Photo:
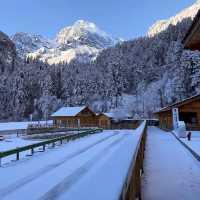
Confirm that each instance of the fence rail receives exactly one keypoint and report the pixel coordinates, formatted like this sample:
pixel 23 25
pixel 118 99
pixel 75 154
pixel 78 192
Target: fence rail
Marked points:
pixel 132 187
pixel 43 144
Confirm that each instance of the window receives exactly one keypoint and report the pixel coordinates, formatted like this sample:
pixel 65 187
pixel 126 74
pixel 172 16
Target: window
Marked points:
pixel 189 117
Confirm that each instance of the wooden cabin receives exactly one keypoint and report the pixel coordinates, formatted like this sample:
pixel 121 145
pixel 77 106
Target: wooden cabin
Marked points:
pixel 75 117
pixel 192 38
pixel 188 111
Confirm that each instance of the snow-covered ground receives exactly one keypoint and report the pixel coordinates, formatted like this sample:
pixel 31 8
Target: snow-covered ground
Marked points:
pixel 170 170
pixel 11 142
pixel 194 144
pixel 93 167
pixel 7 126
pixel 14 142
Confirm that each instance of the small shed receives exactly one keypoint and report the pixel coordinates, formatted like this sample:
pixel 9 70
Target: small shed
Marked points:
pixel 75 117
pixel 113 121
pixel 188 111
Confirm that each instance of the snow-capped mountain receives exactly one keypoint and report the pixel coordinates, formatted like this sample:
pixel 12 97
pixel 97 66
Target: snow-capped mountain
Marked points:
pixel 82 41
pixel 162 25
pixel 84 33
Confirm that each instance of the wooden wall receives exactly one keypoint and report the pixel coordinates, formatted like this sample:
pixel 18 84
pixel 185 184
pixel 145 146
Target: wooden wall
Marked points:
pixel 165 120
pixel 192 107
pixel 193 47
pixel 89 121
pixel 104 122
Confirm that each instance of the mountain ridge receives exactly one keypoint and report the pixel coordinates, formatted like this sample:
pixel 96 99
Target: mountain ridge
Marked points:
pixel 83 41
pixel 161 25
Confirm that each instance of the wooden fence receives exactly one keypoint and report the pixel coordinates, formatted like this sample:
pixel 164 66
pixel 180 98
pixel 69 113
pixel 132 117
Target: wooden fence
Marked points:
pixel 53 142
pixel 132 187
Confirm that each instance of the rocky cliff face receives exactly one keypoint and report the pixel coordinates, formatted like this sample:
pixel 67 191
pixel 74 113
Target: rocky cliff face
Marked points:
pixel 7 53
pixel 28 43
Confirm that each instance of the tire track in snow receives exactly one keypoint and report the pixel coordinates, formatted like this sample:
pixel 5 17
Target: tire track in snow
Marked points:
pixel 24 181
pixel 70 180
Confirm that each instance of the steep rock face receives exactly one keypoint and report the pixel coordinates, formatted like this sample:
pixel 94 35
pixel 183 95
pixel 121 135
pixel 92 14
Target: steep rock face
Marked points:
pixel 82 41
pixel 162 25
pixel 7 53
pixel 27 43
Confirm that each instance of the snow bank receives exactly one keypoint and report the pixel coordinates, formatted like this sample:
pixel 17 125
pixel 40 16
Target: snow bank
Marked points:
pixel 181 130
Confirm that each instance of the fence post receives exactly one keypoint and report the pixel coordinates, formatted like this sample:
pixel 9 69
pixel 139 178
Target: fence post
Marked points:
pixel 32 151
pixel 17 155
pixel 53 144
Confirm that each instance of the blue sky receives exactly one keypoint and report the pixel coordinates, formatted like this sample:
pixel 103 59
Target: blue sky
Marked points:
pixel 121 18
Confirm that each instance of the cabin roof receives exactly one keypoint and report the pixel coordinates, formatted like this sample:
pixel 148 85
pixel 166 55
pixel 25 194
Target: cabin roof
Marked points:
pixel 68 111
pixel 179 104
pixel 191 29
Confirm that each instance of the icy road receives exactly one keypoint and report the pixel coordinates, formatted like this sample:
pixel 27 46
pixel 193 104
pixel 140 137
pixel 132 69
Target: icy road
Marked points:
pixel 94 167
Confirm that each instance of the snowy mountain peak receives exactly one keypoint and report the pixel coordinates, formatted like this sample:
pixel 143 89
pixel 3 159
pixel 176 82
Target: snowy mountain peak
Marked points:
pixel 84 33
pixel 162 25
pixel 82 41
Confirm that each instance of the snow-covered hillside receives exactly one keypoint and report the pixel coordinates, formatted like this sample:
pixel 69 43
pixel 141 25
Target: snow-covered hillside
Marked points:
pixel 162 25
pixel 83 41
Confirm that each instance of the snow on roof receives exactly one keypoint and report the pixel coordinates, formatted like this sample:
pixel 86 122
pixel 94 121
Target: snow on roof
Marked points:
pixel 109 114
pixel 117 115
pixel 68 111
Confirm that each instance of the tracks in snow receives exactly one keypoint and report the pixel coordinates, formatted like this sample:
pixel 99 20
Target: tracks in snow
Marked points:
pixel 26 180
pixel 70 180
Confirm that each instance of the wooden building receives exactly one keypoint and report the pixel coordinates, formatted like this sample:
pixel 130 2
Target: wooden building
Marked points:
pixel 104 121
pixel 192 38
pixel 125 124
pixel 188 111
pixel 75 117
pixel 112 121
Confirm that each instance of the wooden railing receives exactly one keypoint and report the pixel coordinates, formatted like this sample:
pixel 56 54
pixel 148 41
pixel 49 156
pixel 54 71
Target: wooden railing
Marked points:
pixel 44 144
pixel 132 187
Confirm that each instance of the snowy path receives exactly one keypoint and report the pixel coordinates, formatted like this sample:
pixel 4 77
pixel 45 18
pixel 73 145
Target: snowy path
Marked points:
pixel 171 172
pixel 82 169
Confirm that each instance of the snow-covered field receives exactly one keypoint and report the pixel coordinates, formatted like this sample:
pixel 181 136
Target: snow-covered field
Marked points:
pixel 194 144
pixel 7 126
pixel 14 142
pixel 11 142
pixel 93 167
